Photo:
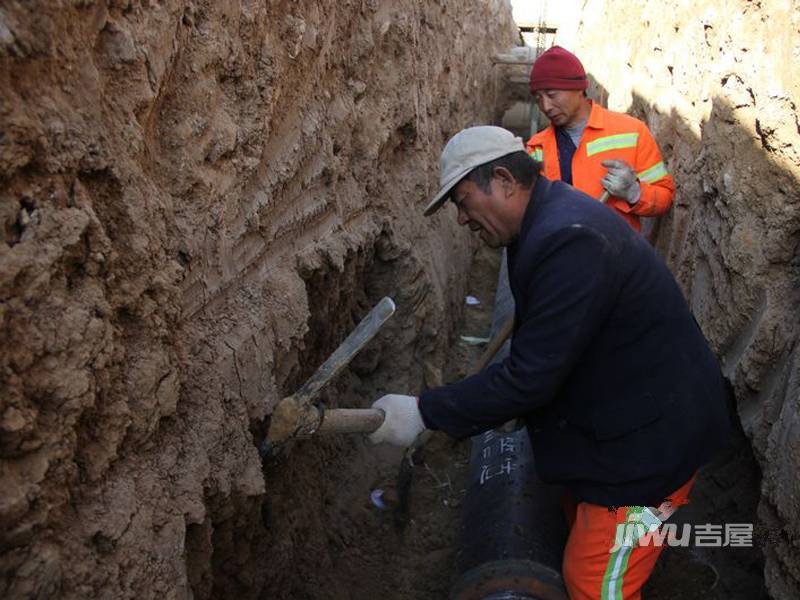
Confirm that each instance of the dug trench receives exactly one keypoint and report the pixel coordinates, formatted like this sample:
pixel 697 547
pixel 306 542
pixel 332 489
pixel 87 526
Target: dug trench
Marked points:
pixel 166 166
pixel 347 519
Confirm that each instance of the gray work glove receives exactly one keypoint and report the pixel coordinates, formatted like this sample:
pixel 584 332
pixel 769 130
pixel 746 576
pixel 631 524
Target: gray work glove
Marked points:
pixel 403 422
pixel 621 181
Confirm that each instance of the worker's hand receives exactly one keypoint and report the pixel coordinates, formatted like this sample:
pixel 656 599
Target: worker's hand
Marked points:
pixel 621 181
pixel 402 423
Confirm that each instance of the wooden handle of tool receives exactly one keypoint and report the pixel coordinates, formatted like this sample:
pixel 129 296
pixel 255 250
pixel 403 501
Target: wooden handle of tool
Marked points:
pixel 367 420
pixel 494 345
pixel 351 420
pixel 604 196
pixel 484 359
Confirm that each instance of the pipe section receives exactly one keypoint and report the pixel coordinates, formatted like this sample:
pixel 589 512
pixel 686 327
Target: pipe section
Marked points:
pixel 513 528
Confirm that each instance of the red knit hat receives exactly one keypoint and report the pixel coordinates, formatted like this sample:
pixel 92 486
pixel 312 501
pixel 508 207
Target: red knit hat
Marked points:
pixel 558 69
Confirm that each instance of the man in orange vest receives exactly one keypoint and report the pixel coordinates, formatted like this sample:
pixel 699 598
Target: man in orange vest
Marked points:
pixel 593 148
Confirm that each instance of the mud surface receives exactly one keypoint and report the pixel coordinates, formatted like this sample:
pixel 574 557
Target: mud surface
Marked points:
pixel 198 201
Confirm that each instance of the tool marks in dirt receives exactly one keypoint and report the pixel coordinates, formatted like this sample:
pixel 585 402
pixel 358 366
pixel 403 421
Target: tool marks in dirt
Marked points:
pixel 257 252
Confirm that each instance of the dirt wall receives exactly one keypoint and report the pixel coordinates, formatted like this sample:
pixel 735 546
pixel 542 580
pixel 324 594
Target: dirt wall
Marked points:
pixel 198 201
pixel 718 84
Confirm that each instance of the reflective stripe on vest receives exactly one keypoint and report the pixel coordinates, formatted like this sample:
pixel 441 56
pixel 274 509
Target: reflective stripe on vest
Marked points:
pixel 612 142
pixel 654 173
pixel 537 154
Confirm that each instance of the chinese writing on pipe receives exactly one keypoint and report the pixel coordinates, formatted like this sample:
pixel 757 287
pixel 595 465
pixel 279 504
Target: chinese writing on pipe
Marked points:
pixel 497 456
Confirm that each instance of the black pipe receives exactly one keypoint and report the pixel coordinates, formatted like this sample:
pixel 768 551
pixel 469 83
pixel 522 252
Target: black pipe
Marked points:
pixel 513 527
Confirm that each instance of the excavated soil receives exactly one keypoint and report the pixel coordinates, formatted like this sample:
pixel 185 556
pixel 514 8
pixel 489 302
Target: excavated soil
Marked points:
pixel 199 200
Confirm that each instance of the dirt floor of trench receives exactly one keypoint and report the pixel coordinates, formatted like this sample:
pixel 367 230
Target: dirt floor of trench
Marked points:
pixel 340 545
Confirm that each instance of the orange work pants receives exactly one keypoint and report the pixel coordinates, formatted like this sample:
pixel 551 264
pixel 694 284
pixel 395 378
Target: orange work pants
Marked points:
pixel 596 566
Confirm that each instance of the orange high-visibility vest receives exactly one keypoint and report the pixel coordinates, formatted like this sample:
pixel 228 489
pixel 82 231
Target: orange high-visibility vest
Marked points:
pixel 611 135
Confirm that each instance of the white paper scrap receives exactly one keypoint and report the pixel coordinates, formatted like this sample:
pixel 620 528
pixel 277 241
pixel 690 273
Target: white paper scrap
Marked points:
pixel 474 341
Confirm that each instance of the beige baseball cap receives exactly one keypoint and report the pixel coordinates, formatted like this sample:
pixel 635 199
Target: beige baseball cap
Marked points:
pixel 470 148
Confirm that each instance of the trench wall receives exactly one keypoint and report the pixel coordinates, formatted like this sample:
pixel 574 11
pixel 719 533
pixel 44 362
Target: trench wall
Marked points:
pixel 198 200
pixel 718 83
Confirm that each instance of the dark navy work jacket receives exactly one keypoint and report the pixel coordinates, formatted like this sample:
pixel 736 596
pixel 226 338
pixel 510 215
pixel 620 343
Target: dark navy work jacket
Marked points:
pixel 622 397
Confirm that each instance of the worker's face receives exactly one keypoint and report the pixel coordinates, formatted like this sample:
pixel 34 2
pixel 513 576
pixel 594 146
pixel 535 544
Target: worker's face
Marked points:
pixel 562 107
pixel 486 212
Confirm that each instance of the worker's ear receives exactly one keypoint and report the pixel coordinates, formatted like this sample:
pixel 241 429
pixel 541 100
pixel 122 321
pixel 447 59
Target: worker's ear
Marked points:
pixel 505 179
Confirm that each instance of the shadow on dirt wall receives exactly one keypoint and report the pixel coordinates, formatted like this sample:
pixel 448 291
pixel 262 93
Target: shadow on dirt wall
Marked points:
pixel 734 284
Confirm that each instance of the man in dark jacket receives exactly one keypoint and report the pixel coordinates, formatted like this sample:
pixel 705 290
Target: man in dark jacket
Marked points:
pixel 622 397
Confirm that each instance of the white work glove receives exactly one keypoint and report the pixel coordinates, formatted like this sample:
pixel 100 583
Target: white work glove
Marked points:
pixel 621 181
pixel 402 423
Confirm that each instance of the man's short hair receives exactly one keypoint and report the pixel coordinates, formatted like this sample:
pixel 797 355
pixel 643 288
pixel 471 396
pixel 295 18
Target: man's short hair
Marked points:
pixel 519 164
